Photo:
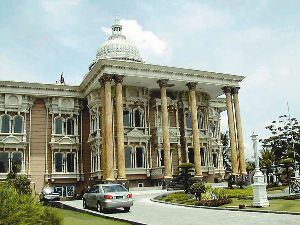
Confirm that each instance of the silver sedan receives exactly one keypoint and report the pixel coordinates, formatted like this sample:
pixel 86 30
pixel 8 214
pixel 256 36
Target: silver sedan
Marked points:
pixel 107 196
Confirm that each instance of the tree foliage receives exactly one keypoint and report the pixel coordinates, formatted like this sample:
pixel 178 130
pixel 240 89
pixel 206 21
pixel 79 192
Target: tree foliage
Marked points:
pixel 284 139
pixel 21 209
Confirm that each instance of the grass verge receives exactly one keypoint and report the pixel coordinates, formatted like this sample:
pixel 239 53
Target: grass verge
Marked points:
pixel 76 218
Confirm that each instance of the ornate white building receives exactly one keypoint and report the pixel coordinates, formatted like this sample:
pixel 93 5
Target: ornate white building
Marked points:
pixel 127 120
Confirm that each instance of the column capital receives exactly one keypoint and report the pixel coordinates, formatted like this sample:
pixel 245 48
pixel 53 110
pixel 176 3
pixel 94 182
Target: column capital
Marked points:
pixel 191 86
pixel 163 82
pixel 107 77
pixel 235 90
pixel 226 89
pixel 118 79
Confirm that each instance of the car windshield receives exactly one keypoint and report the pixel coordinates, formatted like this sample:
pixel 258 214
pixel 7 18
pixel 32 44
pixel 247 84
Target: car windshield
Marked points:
pixel 113 188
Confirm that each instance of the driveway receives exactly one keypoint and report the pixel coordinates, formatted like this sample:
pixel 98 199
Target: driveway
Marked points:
pixel 152 213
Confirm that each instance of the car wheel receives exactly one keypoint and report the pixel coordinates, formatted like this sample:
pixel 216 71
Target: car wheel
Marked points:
pixel 126 209
pixel 99 207
pixel 84 204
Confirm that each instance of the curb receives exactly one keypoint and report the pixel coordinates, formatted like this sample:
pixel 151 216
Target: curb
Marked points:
pixel 61 205
pixel 218 208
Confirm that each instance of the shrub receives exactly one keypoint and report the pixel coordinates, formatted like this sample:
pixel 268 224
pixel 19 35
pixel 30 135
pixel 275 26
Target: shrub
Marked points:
pixel 17 209
pixel 197 189
pixel 237 193
pixel 214 202
pixel 291 197
pixel 20 183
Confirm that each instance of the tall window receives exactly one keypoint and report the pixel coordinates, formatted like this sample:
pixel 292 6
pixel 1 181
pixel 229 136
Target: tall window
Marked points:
pixel 17 158
pixel 215 161
pixel 191 155
pixel 138 118
pixel 5 123
pixel 58 125
pixel 18 124
pixel 4 162
pixel 200 120
pixel 70 162
pixel 70 126
pixel 58 160
pixel 161 158
pixel 188 120
pixel 213 129
pixel 139 157
pixel 202 156
pixel 126 118
pixel 128 157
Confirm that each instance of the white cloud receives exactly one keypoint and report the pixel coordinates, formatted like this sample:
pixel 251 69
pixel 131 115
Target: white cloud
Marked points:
pixel 149 44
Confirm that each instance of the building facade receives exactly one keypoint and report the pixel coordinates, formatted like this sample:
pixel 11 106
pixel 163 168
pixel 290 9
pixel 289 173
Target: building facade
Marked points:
pixel 127 121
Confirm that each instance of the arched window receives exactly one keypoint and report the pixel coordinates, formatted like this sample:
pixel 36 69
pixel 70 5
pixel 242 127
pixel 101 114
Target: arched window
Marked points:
pixel 70 126
pixel 139 154
pixel 70 162
pixel 17 161
pixel 126 118
pixel 5 123
pixel 59 125
pixel 200 120
pixel 138 118
pixel 128 155
pixel 58 161
pixel 191 155
pixel 18 124
pixel 4 162
pixel 202 156
pixel 188 120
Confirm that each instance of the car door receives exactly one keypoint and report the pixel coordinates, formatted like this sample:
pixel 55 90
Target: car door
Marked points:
pixel 94 196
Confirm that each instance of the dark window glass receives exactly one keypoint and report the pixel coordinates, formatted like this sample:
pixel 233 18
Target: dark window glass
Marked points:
pixel 17 161
pixel 213 130
pixel 70 127
pixel 137 118
pixel 215 159
pixel 58 162
pixel 70 162
pixel 128 157
pixel 18 124
pixel 188 120
pixel 162 158
pixel 58 125
pixel 139 157
pixel 202 156
pixel 200 120
pixel 126 118
pixel 4 162
pixel 191 155
pixel 5 124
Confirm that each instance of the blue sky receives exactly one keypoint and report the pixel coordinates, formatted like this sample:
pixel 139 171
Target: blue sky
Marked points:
pixel 257 39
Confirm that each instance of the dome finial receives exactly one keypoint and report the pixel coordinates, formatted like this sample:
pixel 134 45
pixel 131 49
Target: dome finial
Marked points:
pixel 116 27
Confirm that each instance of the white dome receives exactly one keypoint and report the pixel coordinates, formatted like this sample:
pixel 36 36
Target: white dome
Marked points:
pixel 117 47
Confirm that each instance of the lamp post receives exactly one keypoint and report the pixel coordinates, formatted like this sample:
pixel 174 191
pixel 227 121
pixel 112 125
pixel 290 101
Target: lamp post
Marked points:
pixel 260 198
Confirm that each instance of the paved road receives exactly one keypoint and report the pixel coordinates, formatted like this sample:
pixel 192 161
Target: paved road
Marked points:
pixel 152 213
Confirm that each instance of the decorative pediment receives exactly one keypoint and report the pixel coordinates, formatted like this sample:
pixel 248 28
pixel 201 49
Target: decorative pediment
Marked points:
pixel 135 133
pixel 11 140
pixel 66 141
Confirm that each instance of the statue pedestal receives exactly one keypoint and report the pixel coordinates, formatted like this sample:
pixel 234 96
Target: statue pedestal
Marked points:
pixel 260 198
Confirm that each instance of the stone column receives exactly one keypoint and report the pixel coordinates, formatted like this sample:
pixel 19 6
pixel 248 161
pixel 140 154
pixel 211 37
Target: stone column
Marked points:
pixel 109 152
pixel 120 129
pixel 195 129
pixel 242 163
pixel 103 156
pixel 233 147
pixel 165 128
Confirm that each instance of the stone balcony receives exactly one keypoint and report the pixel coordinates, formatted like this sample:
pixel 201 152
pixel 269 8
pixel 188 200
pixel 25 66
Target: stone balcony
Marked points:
pixel 58 176
pixel 157 172
pixel 13 140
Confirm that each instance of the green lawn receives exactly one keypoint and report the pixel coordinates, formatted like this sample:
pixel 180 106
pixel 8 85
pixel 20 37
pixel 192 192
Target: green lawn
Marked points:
pixel 76 218
pixel 275 205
